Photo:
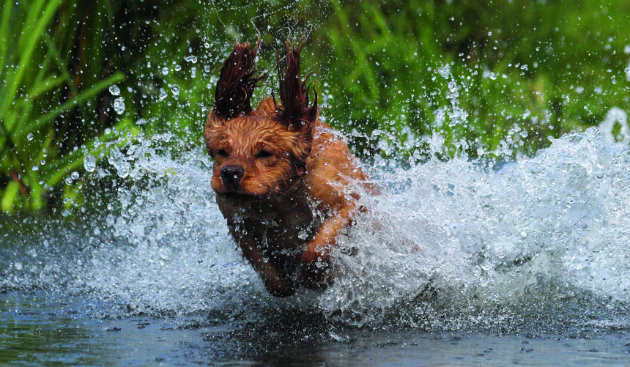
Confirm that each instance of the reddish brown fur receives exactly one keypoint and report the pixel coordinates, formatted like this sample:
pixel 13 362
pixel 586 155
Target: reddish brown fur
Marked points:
pixel 237 82
pixel 295 109
pixel 295 194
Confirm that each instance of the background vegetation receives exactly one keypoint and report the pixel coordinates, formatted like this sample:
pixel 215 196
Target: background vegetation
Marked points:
pixel 489 78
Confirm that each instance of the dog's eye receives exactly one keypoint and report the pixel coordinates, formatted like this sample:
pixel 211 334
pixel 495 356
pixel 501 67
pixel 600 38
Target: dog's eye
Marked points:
pixel 263 154
pixel 222 153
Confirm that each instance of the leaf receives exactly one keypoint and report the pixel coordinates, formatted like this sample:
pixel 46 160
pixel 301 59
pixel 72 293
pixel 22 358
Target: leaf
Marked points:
pixel 11 191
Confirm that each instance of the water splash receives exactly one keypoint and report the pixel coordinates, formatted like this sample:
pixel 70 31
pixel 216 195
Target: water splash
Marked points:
pixel 541 230
pixel 114 90
pixel 616 116
pixel 119 105
pixel 447 245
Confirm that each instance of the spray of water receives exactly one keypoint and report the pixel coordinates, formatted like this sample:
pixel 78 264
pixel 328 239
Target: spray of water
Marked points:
pixel 446 245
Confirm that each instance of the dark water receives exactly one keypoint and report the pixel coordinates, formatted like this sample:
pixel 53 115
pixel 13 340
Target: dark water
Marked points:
pixel 528 264
pixel 44 329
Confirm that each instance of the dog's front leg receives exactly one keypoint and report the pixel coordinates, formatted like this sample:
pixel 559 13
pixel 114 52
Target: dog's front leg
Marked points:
pixel 274 282
pixel 315 268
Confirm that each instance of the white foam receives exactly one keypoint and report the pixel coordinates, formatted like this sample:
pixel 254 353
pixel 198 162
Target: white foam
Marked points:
pixel 616 116
pixel 444 239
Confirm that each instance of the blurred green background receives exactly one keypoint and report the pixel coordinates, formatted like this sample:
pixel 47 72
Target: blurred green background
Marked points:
pixel 486 78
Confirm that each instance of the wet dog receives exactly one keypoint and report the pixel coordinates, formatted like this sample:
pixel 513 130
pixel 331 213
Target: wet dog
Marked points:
pixel 284 182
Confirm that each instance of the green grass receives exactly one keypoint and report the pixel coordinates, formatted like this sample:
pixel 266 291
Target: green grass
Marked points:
pixel 33 74
pixel 521 71
pixel 489 79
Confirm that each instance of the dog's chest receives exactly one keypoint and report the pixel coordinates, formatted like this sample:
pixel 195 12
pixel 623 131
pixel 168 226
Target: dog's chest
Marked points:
pixel 279 228
pixel 288 231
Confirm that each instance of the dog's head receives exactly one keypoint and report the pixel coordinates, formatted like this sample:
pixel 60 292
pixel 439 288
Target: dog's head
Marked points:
pixel 263 151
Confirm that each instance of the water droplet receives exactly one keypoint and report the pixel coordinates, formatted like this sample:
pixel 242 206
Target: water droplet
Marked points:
pixel 119 161
pixel 119 105
pixel 175 89
pixel 303 234
pixel 191 58
pixel 178 68
pixel 114 90
pixel 17 266
pixel 141 121
pixel 445 71
pixel 165 70
pixel 74 175
pixel 163 94
pixel 35 168
pixel 89 163
pixel 29 136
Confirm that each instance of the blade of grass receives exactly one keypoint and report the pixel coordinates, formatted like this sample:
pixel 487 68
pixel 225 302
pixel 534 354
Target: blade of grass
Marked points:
pixel 50 115
pixel 29 44
pixel 11 191
pixel 4 30
pixel 356 49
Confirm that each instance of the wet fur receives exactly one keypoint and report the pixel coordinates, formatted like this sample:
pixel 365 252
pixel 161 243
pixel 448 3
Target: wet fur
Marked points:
pixel 295 194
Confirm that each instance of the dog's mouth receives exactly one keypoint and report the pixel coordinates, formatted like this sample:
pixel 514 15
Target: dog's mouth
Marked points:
pixel 274 192
pixel 231 189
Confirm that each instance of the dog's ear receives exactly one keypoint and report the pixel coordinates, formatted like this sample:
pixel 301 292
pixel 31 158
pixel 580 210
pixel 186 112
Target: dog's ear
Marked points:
pixel 266 107
pixel 236 84
pixel 295 111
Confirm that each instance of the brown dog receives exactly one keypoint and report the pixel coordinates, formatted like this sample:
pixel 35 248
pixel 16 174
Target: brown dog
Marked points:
pixel 282 180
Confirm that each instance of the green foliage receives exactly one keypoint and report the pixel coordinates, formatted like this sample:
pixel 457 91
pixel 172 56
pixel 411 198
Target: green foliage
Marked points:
pixel 482 75
pixel 33 74
pixel 488 78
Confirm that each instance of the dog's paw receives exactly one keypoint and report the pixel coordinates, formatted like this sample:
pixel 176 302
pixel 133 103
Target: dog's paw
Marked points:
pixel 315 272
pixel 280 287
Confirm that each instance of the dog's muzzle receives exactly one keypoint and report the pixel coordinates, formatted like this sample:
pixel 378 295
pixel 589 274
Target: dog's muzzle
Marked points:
pixel 231 175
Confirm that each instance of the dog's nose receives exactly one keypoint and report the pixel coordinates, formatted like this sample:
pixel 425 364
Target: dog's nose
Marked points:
pixel 231 175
